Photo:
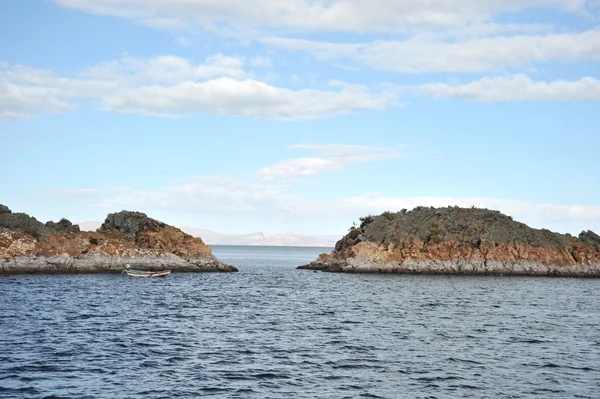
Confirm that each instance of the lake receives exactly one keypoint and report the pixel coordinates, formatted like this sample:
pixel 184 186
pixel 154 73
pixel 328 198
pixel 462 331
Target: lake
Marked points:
pixel 271 331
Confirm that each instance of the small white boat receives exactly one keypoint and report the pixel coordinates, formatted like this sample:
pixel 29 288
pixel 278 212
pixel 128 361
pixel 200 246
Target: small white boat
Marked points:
pixel 145 273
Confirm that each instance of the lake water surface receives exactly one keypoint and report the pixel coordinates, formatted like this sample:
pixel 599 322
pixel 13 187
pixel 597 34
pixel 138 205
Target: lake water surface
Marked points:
pixel 271 331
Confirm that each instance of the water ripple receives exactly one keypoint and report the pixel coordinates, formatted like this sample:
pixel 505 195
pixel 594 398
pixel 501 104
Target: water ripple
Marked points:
pixel 273 331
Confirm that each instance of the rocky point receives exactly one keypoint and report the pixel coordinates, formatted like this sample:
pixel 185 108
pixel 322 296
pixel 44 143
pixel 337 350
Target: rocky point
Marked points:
pixel 29 246
pixel 457 240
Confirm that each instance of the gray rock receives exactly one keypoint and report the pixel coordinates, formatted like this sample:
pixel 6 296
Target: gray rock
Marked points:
pixel 23 221
pixel 454 224
pixel 66 264
pixel 63 226
pixel 129 223
pixel 4 209
pixel 476 267
pixel 589 238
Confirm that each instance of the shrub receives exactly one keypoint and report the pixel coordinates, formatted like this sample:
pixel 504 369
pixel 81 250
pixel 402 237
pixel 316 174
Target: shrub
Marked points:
pixel 354 233
pixel 436 234
pixel 389 215
pixel 93 241
pixel 366 220
pixel 33 231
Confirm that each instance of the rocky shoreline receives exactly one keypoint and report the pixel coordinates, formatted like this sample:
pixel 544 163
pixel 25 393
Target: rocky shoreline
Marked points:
pixel 108 264
pixel 459 241
pixel 440 267
pixel 28 246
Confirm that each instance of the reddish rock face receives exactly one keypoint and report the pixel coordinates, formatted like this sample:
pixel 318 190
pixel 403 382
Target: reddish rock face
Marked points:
pixel 439 239
pixel 453 251
pixel 15 243
pixel 28 246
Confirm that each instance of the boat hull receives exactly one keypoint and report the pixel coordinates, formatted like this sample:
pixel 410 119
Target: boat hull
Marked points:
pixel 147 274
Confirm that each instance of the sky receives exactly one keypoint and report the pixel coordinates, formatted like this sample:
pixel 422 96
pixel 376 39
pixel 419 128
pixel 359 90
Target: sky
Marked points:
pixel 300 116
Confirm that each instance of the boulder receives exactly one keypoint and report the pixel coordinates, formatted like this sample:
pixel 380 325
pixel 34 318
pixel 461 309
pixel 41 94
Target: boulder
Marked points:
pixel 589 238
pixel 63 226
pixel 23 222
pixel 129 223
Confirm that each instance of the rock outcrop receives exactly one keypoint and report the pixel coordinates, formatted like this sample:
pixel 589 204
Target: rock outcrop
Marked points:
pixel 29 246
pixel 459 241
pixel 63 226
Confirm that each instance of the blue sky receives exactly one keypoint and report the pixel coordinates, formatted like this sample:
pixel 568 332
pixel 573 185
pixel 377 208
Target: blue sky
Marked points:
pixel 300 116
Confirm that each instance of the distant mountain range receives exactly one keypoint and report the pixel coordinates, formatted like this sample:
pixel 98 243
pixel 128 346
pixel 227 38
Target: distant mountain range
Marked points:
pixel 289 239
pixel 214 238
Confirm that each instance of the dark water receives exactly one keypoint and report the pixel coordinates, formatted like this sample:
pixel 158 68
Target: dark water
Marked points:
pixel 271 331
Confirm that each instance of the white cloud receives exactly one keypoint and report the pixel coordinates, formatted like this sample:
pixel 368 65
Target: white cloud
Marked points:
pixel 517 88
pixel 325 15
pixel 332 157
pixel 167 69
pixel 247 98
pixel 426 53
pixel 26 91
pixel 561 218
pixel 173 86
pixel 213 194
pixel 21 101
pixel 244 199
pixel 172 24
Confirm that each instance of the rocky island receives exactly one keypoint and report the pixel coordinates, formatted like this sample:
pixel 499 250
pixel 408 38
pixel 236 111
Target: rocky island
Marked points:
pixel 29 246
pixel 460 241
